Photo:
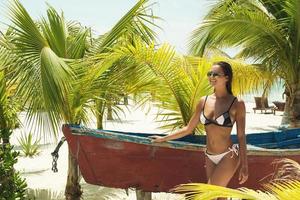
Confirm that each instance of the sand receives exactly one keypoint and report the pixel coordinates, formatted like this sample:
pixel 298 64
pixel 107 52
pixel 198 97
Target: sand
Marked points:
pixel 38 174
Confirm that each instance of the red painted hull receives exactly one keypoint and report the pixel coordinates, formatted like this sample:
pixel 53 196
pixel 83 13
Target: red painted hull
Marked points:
pixel 121 164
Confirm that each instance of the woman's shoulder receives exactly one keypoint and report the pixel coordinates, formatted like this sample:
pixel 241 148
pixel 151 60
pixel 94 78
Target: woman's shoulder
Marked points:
pixel 201 101
pixel 240 103
pixel 239 100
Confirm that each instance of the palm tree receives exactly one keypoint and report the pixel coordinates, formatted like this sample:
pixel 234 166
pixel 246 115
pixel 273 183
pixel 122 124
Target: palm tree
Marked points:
pixel 47 78
pixel 178 81
pixel 43 75
pixel 139 21
pixel 267 31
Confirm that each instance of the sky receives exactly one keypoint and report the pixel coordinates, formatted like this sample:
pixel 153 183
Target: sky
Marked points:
pixel 180 17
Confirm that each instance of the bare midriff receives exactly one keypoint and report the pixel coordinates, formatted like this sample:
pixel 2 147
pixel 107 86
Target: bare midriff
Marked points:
pixel 217 138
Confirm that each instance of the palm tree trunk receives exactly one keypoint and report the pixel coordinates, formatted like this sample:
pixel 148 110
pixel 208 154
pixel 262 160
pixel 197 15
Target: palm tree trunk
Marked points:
pixel 141 195
pixel 99 121
pixel 109 112
pixel 291 115
pixel 99 114
pixel 126 100
pixel 73 189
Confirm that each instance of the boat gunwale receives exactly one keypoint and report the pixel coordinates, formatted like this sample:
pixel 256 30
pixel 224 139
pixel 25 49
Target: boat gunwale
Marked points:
pixel 115 135
pixel 135 139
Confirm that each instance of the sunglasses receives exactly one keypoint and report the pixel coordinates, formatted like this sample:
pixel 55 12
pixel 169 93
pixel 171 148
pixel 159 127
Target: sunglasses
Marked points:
pixel 214 74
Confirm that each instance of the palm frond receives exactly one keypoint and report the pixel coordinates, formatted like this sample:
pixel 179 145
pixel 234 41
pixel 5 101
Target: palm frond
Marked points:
pixel 289 189
pixel 77 45
pixel 208 192
pixel 43 76
pixel 286 169
pixel 137 21
pixel 280 190
pixel 230 27
pixel 55 32
pixel 164 65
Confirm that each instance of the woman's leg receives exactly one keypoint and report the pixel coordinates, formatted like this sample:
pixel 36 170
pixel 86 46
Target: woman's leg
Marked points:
pixel 224 170
pixel 209 168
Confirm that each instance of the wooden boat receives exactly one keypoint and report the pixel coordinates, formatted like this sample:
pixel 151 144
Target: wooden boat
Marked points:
pixel 125 160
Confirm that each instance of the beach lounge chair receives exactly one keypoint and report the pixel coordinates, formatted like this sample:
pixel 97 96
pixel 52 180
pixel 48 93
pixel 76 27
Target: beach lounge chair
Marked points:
pixel 279 106
pixel 262 105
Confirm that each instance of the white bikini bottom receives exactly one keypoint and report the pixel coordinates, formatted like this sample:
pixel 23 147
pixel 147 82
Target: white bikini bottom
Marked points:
pixel 216 158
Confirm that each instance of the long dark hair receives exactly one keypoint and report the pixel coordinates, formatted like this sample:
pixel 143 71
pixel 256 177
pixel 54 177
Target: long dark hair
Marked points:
pixel 227 69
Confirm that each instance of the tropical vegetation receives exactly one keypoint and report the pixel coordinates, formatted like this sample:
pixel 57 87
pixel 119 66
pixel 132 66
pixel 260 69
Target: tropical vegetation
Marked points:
pixel 180 81
pixel 29 145
pixel 55 85
pixel 60 72
pixel 12 185
pixel 267 32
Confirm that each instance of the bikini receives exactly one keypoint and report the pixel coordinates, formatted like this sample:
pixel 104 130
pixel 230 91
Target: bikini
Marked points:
pixel 222 120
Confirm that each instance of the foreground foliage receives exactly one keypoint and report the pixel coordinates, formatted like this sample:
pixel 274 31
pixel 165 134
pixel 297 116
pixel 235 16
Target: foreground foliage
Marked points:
pixel 284 185
pixel 274 191
pixel 12 186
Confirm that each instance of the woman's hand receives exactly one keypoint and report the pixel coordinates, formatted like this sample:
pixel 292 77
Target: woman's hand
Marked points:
pixel 243 175
pixel 156 138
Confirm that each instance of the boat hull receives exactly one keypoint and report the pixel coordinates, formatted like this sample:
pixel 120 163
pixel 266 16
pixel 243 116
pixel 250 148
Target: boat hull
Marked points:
pixel 119 163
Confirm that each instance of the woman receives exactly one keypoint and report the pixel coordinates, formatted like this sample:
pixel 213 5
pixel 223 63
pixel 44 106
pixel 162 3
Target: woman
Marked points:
pixel 218 112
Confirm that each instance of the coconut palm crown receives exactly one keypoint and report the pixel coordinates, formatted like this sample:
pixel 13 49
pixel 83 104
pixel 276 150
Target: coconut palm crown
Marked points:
pixel 267 31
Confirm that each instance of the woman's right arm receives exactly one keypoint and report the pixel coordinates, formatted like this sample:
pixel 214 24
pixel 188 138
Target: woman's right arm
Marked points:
pixel 188 129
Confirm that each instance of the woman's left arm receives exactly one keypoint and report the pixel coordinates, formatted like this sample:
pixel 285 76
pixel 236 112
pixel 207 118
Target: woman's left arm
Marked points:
pixel 240 126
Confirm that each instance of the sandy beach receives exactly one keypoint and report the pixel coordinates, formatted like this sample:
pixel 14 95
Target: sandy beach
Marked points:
pixel 38 174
